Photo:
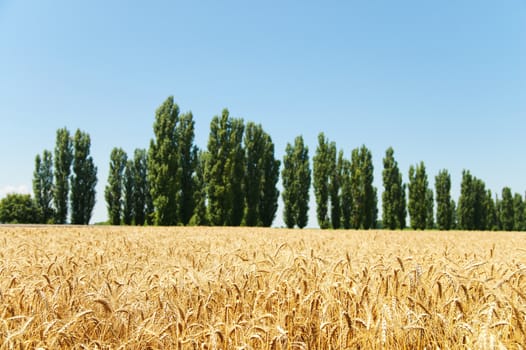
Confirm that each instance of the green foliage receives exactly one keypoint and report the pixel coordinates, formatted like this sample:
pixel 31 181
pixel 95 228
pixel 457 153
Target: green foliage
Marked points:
pixel 322 167
pixel 296 177
pixel 83 180
pixel 346 200
pixel 445 210
pixel 418 197
pixel 518 213
pixel 393 197
pixel 43 186
pixel 141 192
pixel 128 206
pixel 224 171
pixel 364 209
pixel 507 212
pixel 199 217
pixel 261 176
pixel 187 153
pixel 430 224
pixel 473 203
pixel 18 209
pixel 114 188
pixel 163 164
pixel 63 160
pixel 334 185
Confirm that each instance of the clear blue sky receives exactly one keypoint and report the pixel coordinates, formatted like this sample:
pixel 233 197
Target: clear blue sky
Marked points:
pixel 439 81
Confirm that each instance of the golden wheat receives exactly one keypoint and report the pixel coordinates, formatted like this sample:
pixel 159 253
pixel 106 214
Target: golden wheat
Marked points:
pixel 247 288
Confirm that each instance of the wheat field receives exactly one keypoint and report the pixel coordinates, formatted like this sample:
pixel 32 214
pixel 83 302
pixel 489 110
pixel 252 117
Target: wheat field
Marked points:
pixel 247 288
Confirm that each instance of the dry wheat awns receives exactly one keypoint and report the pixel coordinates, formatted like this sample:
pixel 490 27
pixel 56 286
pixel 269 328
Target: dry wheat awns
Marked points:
pixel 241 288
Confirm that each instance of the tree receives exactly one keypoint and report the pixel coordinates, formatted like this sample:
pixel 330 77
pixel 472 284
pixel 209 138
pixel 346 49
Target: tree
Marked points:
pixel 472 207
pixel 444 202
pixel 268 204
pixel 43 186
pixel 83 180
pixel 491 221
pixel 346 201
pixel 321 165
pixel 187 163
pixel 393 197
pixel 518 213
pixel 261 176
pixel 364 198
pixel 224 171
pixel 141 193
pixel 199 217
pixel 63 159
pixel 114 188
pixel 335 185
pixel 163 164
pixel 18 208
pixel 128 205
pixel 418 196
pixel 296 177
pixel 429 209
pixel 506 210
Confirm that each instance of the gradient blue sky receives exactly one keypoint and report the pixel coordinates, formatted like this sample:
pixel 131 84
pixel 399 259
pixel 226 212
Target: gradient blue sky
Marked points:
pixel 439 81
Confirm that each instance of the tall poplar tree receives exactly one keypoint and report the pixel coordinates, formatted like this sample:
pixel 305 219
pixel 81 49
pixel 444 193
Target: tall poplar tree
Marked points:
pixel 113 192
pixel 63 158
pixel 43 186
pixel 418 196
pixel 430 222
pixel 83 180
pixel 364 197
pixel 224 171
pixel 261 176
pixel 472 203
pixel 128 205
pixel 393 198
pixel 187 163
pixel 518 213
pixel 141 193
pixel 346 200
pixel 163 164
pixel 268 205
pixel 506 210
pixel 443 199
pixel 200 215
pixel 296 178
pixel 336 161
pixel 321 166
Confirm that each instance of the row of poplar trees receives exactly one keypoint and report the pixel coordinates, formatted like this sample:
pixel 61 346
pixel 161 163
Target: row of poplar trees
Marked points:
pixel 64 182
pixel 346 197
pixel 233 182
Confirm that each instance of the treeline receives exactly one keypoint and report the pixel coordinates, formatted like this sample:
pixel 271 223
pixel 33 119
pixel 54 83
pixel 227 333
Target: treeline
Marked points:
pixel 63 182
pixel 234 182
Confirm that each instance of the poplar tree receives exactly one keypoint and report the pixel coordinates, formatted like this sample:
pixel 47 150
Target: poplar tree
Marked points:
pixel 43 186
pixel 296 178
pixel 83 180
pixel 199 217
pixel 141 193
pixel 128 204
pixel 443 199
pixel 321 165
pixel 187 163
pixel 429 209
pixel 261 176
pixel 224 171
pixel 518 213
pixel 418 196
pixel 114 189
pixel 163 164
pixel 364 197
pixel 507 210
pixel 346 200
pixel 63 158
pixel 336 162
pixel 393 198
pixel 268 204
